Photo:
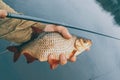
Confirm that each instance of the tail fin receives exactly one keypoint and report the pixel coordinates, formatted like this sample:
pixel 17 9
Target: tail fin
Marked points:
pixel 16 52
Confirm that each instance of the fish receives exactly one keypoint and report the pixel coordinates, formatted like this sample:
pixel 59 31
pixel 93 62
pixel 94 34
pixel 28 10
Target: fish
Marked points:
pixel 50 43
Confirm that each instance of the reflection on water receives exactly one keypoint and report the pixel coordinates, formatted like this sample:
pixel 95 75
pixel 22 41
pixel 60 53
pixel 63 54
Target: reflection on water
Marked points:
pixel 112 6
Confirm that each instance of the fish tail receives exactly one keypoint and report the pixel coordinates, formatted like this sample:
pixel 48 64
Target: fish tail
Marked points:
pixel 16 52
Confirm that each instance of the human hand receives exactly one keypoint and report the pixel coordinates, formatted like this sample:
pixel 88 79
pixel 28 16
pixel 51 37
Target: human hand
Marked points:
pixel 3 13
pixel 61 29
pixel 62 59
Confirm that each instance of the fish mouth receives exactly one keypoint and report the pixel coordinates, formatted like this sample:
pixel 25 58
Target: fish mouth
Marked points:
pixel 86 43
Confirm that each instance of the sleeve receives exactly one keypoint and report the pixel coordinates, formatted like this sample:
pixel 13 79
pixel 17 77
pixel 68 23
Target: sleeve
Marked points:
pixel 16 30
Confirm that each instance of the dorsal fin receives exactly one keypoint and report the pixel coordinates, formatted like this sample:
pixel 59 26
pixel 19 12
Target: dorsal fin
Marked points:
pixel 36 30
pixel 35 33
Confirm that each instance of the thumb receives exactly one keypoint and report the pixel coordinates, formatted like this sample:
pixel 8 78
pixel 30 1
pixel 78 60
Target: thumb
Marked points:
pixel 3 13
pixel 61 29
pixel 64 31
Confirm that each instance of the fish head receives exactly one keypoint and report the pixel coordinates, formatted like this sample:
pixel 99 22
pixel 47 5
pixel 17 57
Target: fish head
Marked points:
pixel 82 44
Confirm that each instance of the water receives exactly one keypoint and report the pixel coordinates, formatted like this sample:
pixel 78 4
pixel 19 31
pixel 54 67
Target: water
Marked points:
pixel 102 62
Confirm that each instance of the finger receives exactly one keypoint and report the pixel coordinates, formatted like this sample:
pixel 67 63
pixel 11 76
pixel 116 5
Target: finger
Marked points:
pixel 73 59
pixel 3 13
pixel 53 63
pixel 64 31
pixel 63 59
pixel 50 27
pixel 51 60
pixel 60 29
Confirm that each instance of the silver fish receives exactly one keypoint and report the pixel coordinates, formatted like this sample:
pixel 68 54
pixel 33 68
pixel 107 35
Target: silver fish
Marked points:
pixel 52 43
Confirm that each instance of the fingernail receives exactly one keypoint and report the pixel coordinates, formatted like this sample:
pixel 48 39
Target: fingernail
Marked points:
pixel 51 56
pixel 69 35
pixel 63 60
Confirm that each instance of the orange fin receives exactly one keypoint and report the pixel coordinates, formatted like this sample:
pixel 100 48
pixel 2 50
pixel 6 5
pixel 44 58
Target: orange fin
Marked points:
pixel 16 56
pixel 73 53
pixel 29 58
pixel 54 64
pixel 36 30
pixel 16 52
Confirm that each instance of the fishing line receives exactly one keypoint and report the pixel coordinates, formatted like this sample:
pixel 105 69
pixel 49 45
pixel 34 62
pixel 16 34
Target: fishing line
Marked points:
pixel 25 17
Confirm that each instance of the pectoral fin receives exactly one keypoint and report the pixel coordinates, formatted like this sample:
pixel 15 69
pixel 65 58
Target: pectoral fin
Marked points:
pixel 29 58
